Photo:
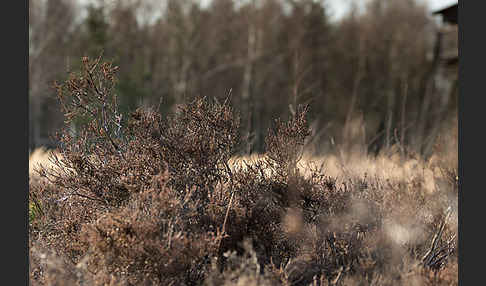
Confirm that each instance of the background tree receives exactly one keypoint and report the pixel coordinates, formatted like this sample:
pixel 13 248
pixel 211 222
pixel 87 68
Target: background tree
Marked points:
pixel 50 31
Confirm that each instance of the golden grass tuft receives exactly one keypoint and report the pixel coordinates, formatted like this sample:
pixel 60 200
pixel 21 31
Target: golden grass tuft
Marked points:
pixel 40 158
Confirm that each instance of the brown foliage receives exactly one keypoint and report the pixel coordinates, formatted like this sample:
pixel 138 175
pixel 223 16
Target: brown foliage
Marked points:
pixel 153 201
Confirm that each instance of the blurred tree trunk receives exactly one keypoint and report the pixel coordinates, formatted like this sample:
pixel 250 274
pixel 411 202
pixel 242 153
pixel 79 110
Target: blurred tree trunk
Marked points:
pixel 427 92
pixel 403 127
pixel 50 24
pixel 246 97
pixel 181 44
pixel 349 132
pixel 392 62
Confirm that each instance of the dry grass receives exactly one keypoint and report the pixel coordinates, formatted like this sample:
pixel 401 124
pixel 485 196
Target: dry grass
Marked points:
pixel 40 158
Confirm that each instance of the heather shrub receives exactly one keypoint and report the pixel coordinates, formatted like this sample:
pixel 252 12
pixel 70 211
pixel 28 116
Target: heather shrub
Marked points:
pixel 93 163
pixel 151 241
pixel 153 200
pixel 198 142
pixel 127 196
pixel 241 269
pixel 285 143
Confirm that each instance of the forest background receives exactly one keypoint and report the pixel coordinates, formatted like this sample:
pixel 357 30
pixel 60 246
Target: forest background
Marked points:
pixel 370 77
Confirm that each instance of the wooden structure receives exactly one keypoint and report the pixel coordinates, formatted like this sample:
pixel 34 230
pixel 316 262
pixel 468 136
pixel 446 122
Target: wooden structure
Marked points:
pixel 448 51
pixel 449 14
pixel 448 34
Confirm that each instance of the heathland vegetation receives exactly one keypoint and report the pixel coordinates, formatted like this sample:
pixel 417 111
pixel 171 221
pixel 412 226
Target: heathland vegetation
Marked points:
pixel 240 143
pixel 152 199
